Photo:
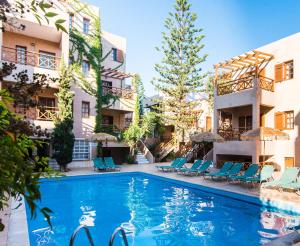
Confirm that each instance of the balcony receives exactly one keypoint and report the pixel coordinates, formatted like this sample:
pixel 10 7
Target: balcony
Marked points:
pixel 41 60
pixel 119 92
pixel 46 113
pixel 242 84
pixel 232 134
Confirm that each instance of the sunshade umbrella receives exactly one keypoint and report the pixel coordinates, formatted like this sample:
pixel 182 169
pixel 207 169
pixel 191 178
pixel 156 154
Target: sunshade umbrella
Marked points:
pixel 100 137
pixel 206 137
pixel 265 134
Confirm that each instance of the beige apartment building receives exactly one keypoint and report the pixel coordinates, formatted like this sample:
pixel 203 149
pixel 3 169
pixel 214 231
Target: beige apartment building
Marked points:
pixel 42 48
pixel 259 88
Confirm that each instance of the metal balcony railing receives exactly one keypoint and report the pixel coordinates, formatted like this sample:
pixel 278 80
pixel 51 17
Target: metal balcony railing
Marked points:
pixel 23 57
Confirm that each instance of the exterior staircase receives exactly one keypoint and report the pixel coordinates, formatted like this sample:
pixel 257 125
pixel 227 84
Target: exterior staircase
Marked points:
pixel 164 149
pixel 140 158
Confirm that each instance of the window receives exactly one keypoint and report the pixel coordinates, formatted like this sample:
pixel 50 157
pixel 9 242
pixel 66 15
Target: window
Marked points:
pixel 108 120
pixel 85 109
pixel 21 54
pixel 289 162
pixel 245 123
pixel 46 102
pixel 289 119
pixel 47 60
pixel 107 83
pixel 284 120
pixel 71 20
pixel 289 70
pixel 117 55
pixel 107 87
pixel 86 25
pixel 284 71
pixel 81 150
pixel 85 68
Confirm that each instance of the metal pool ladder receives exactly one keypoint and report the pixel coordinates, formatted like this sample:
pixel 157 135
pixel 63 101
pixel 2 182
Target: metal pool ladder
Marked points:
pixel 87 232
pixel 112 237
pixel 89 236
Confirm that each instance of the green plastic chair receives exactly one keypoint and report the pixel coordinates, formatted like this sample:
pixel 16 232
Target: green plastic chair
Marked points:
pixel 233 171
pixel 224 169
pixel 250 172
pixel 180 163
pixel 173 164
pixel 194 167
pixel 289 176
pixel 109 161
pixel 201 170
pixel 265 175
pixel 293 186
pixel 99 164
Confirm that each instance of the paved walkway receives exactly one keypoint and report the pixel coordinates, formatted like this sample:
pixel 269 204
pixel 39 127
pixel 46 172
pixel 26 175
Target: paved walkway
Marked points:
pixel 17 229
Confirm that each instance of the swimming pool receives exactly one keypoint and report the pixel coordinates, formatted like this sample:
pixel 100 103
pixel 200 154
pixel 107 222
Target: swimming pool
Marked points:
pixel 154 211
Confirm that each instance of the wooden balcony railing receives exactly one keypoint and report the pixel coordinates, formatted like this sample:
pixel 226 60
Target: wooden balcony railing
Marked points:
pixel 46 113
pixel 266 83
pixel 42 60
pixel 120 92
pixel 244 84
pixel 232 134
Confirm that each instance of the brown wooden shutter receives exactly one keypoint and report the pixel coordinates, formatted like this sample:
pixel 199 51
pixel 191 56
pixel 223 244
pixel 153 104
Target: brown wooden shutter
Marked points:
pixel 289 162
pixel 278 72
pixel 208 123
pixel 279 120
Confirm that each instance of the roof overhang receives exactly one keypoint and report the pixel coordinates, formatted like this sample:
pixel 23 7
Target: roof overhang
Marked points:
pixel 115 74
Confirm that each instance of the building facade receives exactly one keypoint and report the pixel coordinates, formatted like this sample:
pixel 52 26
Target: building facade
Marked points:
pixel 42 48
pixel 259 89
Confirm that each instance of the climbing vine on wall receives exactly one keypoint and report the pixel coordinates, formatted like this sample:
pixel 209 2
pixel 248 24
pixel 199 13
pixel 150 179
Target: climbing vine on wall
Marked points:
pixel 89 47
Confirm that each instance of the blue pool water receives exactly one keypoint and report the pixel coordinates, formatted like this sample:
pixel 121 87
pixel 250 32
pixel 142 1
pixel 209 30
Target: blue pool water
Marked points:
pixel 154 211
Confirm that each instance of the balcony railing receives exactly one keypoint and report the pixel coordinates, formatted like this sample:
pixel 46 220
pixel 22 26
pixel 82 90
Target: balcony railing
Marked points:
pixel 232 134
pixel 46 113
pixel 244 84
pixel 119 92
pixel 42 60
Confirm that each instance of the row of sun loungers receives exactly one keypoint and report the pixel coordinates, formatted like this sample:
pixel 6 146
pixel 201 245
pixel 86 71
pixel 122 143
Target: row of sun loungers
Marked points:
pixel 105 164
pixel 232 172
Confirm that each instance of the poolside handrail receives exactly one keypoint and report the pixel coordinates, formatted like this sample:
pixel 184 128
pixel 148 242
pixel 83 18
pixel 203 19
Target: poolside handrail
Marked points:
pixel 116 231
pixel 87 232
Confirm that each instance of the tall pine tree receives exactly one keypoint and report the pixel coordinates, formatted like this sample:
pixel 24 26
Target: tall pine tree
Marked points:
pixel 139 100
pixel 179 71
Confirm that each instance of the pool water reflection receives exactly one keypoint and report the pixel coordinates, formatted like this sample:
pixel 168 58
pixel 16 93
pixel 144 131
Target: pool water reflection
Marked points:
pixel 153 212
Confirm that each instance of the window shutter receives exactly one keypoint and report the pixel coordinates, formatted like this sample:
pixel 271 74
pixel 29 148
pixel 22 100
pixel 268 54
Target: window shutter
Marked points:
pixel 119 55
pixel 279 121
pixel 278 72
pixel 289 162
pixel 208 123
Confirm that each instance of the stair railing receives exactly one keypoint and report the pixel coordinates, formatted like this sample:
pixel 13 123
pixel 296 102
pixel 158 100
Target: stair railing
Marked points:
pixel 145 151
pixel 87 232
pixel 116 231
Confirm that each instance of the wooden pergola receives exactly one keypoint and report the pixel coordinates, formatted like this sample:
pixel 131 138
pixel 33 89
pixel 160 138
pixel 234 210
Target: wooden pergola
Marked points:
pixel 115 74
pixel 254 62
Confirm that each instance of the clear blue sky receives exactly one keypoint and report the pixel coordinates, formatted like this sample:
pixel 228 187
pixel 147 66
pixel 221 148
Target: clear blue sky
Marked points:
pixel 231 27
